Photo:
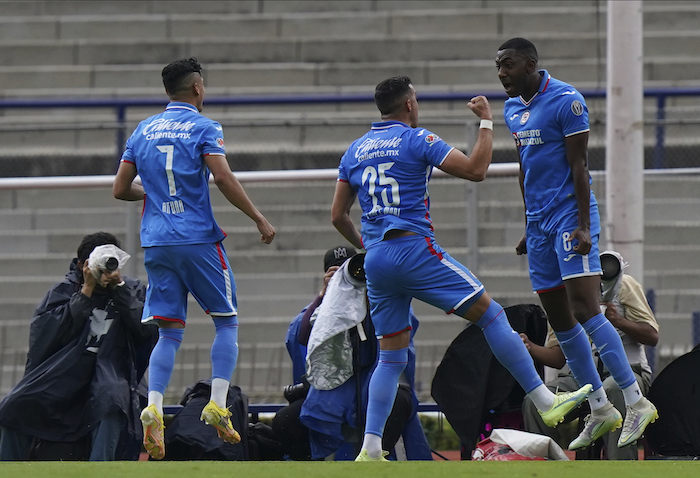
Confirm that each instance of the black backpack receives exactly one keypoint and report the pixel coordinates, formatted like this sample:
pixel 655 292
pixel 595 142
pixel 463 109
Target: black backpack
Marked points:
pixel 189 438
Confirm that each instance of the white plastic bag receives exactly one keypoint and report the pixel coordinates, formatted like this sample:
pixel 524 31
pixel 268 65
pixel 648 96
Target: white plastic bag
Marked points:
pixel 97 261
pixel 529 444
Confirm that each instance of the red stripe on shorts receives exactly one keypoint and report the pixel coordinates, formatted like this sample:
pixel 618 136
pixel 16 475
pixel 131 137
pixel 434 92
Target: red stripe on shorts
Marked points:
pixel 221 256
pixel 432 249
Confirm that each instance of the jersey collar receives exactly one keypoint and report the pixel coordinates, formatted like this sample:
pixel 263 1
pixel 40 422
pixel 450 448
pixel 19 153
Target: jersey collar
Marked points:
pixel 177 105
pixel 388 124
pixel 544 83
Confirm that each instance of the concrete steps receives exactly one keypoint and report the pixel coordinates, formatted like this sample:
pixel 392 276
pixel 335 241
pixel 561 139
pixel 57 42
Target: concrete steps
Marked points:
pixel 282 47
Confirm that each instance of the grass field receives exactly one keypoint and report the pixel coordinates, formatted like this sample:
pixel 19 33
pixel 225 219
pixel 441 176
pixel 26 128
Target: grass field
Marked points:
pixel 451 469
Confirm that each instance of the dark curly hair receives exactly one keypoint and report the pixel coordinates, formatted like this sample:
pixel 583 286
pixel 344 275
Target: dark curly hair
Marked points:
pixel 176 74
pixel 389 94
pixel 91 241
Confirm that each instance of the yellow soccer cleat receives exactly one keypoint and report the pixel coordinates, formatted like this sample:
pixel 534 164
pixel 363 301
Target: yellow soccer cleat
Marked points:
pixel 563 404
pixel 220 419
pixel 363 456
pixel 153 430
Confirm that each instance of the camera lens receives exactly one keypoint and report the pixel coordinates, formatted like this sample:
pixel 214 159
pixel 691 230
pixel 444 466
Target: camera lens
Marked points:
pixel 295 392
pixel 356 266
pixel 111 264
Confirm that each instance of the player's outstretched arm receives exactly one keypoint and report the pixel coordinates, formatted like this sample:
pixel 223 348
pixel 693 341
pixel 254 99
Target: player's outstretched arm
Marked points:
pixel 124 187
pixel 233 191
pixel 343 199
pixel 474 167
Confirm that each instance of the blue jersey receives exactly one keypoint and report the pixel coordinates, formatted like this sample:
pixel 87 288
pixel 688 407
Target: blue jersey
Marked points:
pixel 168 150
pixel 390 167
pixel 539 128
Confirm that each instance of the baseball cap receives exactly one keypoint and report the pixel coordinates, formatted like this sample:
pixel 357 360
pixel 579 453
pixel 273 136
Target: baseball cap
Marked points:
pixel 336 256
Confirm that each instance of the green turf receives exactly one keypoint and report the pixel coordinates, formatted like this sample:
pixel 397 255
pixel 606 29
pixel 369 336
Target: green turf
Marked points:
pixel 439 469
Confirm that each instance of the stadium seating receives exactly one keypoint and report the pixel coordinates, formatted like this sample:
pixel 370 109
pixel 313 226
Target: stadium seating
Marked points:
pixel 91 50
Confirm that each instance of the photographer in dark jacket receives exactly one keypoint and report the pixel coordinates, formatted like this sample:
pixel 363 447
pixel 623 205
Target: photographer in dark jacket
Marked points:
pixel 87 354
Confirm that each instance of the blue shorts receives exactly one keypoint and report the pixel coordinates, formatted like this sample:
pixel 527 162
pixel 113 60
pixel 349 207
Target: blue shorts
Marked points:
pixel 551 256
pixel 200 269
pixel 400 269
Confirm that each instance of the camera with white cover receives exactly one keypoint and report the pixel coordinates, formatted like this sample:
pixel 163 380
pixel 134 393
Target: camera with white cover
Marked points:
pixel 106 259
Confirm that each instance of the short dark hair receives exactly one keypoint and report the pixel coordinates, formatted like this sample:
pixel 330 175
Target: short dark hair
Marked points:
pixel 175 75
pixel 389 94
pixel 522 46
pixel 91 241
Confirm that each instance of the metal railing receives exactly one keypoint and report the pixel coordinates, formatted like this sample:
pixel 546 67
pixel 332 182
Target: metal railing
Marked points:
pixel 121 105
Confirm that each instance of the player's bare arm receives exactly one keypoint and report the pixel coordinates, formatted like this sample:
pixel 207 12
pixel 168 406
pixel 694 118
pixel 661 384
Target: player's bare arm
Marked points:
pixel 577 157
pixel 233 191
pixel 473 167
pixel 343 199
pixel 521 248
pixel 124 187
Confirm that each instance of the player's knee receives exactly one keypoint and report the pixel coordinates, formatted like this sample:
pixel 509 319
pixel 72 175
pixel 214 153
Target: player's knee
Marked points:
pixel 221 322
pixel 493 313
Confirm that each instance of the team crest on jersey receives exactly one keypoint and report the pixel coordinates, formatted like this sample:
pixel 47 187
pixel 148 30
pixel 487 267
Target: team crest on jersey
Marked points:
pixel 220 142
pixel 432 138
pixel 525 117
pixel 577 108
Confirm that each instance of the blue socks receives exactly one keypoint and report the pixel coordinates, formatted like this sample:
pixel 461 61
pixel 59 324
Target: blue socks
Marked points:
pixel 508 347
pixel 577 350
pixel 612 353
pixel 162 360
pixel 224 349
pixel 383 387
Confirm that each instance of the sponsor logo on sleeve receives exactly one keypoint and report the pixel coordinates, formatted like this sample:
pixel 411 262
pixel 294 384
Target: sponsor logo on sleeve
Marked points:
pixel 577 108
pixel 432 138
pixel 220 142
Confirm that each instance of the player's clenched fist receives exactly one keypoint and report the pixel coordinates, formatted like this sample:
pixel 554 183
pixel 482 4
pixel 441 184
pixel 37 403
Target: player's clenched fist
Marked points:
pixel 481 107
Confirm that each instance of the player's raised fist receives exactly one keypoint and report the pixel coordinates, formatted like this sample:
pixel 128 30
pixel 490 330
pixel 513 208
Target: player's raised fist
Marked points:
pixel 481 107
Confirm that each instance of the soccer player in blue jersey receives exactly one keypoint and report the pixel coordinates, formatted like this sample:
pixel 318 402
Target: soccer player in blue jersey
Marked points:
pixel 174 152
pixel 549 122
pixel 388 169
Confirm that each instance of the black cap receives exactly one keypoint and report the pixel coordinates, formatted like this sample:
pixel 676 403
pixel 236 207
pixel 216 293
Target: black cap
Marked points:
pixel 336 256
